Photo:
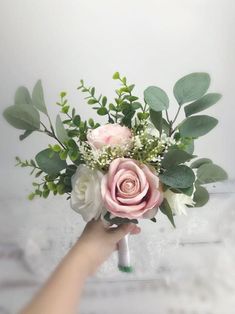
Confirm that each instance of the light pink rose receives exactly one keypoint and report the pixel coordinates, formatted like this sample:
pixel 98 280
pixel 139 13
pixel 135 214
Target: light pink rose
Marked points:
pixel 131 190
pixel 109 135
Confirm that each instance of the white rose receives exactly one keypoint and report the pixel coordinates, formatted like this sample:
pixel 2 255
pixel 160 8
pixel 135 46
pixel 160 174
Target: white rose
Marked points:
pixel 86 194
pixel 178 202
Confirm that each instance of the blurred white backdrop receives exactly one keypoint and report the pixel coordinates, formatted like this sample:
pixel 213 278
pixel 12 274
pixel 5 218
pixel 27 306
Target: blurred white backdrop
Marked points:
pixel 152 42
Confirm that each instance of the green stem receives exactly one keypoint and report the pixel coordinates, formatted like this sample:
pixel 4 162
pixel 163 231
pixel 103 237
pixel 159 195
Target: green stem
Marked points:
pixel 176 116
pixel 51 133
pixel 167 117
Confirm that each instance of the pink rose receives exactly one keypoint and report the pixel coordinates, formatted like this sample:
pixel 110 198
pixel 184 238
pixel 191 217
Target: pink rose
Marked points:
pixel 109 135
pixel 131 190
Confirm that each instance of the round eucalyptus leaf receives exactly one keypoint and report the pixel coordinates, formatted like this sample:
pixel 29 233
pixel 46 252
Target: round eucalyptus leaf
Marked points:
pixel 189 148
pixel 156 98
pixel 202 104
pixel 156 118
pixel 22 116
pixel 209 173
pixel 166 210
pixel 22 96
pixel 196 126
pixel 175 157
pixel 25 134
pixel 178 177
pixel 197 163
pixel 50 164
pixel 38 97
pixel 201 196
pixel 191 87
pixel 60 130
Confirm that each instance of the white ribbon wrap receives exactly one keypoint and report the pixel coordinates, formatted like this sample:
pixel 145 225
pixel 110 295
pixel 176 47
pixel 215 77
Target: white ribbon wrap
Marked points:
pixel 124 261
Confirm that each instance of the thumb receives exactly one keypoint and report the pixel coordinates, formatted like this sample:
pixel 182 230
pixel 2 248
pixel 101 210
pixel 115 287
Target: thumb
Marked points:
pixel 122 230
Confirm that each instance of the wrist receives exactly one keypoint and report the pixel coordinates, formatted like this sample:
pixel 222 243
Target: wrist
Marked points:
pixel 85 258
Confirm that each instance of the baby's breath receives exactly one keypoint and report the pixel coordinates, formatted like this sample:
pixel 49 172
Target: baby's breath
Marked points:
pixel 144 147
pixel 101 158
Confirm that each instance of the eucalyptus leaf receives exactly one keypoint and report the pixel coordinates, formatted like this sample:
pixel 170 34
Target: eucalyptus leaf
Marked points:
pixel 119 220
pixel 186 191
pixel 165 126
pixel 156 118
pixel 38 97
pixel 178 177
pixel 50 164
pixel 156 98
pixel 25 134
pixel 197 163
pixel 201 196
pixel 196 126
pixel 208 173
pixel 166 210
pixel 189 148
pixel 22 96
pixel 175 157
pixel 202 104
pixel 191 87
pixel 22 116
pixel 60 130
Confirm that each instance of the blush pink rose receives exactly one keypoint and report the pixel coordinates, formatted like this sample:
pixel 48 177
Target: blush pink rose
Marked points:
pixel 109 135
pixel 131 190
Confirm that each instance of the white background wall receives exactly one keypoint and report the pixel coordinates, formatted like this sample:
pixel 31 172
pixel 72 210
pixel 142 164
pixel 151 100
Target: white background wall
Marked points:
pixel 152 42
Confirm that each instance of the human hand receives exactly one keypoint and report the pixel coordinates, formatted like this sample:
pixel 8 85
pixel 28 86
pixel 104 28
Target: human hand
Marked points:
pixel 98 242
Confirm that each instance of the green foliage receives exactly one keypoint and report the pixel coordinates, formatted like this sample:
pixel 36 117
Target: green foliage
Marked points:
pixel 77 120
pixel 191 87
pixel 102 111
pixel 25 134
pixel 187 191
pixel 201 196
pixel 178 177
pixel 50 163
pixel 119 220
pixel 124 107
pixel 166 210
pixel 197 126
pixel 199 162
pixel 56 184
pixel 156 119
pixel 22 96
pixel 60 130
pixel 22 116
pixel 209 172
pixel 175 157
pixel 116 76
pixel 76 127
pixel 202 104
pixel 156 98
pixel 38 97
pixel 186 144
pixel 63 103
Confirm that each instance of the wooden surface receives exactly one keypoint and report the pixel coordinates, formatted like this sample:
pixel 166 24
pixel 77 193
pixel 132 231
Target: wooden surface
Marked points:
pixel 189 270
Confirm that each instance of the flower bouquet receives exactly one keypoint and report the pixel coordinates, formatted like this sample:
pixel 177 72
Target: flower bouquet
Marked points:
pixel 137 163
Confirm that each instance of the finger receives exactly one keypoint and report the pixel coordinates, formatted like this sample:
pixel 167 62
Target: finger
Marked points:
pixel 136 230
pixel 122 230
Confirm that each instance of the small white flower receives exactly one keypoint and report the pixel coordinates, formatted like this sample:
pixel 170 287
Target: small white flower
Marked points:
pixel 137 141
pixel 178 202
pixel 86 193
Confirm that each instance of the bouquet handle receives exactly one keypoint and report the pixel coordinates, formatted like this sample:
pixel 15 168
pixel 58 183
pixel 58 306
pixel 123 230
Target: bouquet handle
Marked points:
pixel 124 263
